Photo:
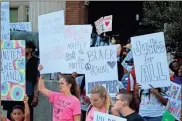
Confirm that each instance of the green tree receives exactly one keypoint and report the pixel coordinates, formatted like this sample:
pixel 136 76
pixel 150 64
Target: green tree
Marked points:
pixel 167 17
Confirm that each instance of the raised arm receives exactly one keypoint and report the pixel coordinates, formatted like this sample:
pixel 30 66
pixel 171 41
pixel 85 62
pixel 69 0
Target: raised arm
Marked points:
pixel 41 86
pixel 27 109
pixel 2 117
pixel 159 96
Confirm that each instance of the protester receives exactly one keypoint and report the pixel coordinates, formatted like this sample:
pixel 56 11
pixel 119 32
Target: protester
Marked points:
pixel 174 68
pixel 19 113
pixel 123 102
pixel 66 102
pixel 32 76
pixel 119 49
pixel 100 101
pixel 152 103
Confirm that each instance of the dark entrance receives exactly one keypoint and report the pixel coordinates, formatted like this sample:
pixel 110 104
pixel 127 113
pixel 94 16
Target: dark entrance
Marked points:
pixel 124 16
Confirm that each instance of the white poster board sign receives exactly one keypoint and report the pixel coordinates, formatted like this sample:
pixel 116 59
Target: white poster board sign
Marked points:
pixel 150 60
pixel 98 116
pixel 21 26
pixel 51 39
pixel 77 36
pixel 5 28
pixel 99 26
pixel 107 23
pixel 127 58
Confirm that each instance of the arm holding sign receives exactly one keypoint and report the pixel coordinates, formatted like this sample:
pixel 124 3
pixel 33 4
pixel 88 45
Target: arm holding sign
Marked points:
pixel 41 86
pixel 27 109
pixel 2 117
pixel 159 96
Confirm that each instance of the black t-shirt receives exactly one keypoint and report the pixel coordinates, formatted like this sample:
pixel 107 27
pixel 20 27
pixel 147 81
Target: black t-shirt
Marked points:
pixel 133 117
pixel 31 74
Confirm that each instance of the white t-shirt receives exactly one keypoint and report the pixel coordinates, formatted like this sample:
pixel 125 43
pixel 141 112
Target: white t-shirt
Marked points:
pixel 150 107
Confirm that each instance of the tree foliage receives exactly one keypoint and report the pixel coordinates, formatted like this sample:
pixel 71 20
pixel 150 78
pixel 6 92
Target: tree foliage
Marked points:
pixel 167 17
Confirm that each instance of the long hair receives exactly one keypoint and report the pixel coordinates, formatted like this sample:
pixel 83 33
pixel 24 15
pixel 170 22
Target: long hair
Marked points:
pixel 103 93
pixel 74 86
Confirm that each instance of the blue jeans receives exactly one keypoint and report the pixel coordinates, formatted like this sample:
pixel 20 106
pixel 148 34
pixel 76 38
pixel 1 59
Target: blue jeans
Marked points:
pixel 153 118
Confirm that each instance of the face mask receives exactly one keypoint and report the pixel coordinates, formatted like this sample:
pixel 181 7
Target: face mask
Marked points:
pixel 112 41
pixel 129 68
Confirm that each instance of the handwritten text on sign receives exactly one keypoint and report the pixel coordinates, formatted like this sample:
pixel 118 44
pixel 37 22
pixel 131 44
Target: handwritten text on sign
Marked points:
pixel 98 116
pixel 150 60
pixel 98 63
pixel 5 27
pixel 13 70
pixel 9 72
pixel 77 36
pixel 21 26
pixel 51 39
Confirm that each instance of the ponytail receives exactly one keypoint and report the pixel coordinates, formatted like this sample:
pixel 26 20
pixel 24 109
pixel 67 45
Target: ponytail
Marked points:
pixel 103 93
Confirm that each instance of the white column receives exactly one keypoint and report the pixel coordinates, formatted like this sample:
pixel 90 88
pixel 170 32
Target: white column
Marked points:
pixel 22 13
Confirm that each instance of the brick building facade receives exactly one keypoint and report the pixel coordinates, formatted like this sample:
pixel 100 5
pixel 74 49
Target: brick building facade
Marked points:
pixel 76 12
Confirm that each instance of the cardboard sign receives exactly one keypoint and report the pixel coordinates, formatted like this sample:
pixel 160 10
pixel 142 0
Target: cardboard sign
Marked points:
pixel 98 116
pixel 5 27
pixel 13 70
pixel 150 60
pixel 107 23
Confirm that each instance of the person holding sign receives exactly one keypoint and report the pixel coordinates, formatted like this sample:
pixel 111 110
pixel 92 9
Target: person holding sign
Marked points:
pixel 119 49
pixel 101 102
pixel 152 103
pixel 19 113
pixel 122 103
pixel 66 102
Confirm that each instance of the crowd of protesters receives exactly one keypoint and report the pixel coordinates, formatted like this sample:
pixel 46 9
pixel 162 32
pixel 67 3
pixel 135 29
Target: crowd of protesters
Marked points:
pixel 72 104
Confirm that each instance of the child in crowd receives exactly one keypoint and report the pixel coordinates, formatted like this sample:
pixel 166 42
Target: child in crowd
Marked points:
pixel 19 113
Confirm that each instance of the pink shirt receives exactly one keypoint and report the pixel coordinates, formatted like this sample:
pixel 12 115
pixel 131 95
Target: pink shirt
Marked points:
pixel 8 119
pixel 90 116
pixel 64 107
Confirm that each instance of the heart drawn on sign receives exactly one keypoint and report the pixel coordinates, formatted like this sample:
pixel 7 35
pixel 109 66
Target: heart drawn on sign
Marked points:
pixel 111 64
pixel 107 23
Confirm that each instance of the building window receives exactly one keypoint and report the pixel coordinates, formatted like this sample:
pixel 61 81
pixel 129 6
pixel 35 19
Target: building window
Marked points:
pixel 13 15
pixel 27 14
